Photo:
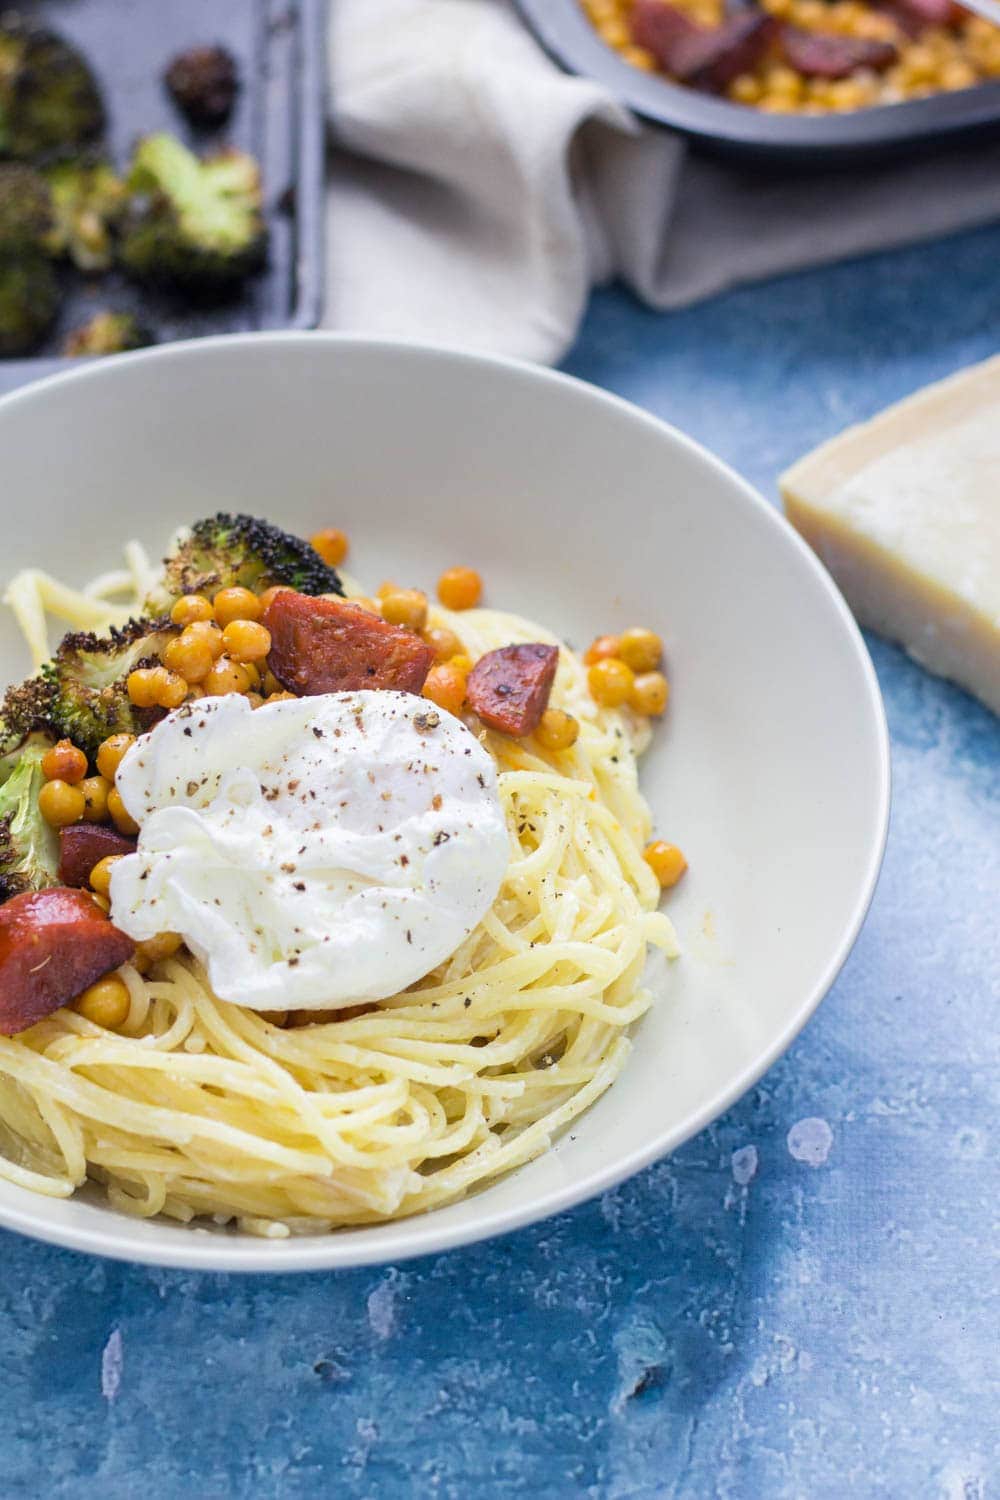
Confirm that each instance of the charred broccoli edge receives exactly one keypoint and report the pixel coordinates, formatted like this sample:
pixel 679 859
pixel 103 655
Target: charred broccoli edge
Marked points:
pixel 283 557
pixel 116 638
pixel 27 707
pixel 85 713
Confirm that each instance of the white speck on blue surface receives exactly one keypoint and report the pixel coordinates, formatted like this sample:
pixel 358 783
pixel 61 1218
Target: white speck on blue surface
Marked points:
pixel 744 1165
pixel 810 1335
pixel 382 1304
pixel 810 1141
pixel 112 1365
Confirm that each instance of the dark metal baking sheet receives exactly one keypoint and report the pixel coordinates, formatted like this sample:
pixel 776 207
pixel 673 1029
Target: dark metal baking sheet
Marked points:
pixel 834 139
pixel 279 117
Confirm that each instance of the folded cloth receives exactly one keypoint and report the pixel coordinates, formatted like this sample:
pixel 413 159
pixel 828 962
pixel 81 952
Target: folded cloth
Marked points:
pixel 477 192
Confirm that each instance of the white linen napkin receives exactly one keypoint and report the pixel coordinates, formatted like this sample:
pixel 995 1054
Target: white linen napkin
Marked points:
pixel 477 192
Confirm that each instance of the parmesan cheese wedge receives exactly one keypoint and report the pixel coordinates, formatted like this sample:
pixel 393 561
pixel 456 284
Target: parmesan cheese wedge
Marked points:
pixel 904 510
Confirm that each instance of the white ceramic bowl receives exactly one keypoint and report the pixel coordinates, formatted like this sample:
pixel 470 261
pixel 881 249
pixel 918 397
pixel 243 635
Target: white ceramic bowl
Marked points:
pixel 771 769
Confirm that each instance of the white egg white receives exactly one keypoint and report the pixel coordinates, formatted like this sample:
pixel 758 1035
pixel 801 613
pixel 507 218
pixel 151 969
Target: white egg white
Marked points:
pixel 312 853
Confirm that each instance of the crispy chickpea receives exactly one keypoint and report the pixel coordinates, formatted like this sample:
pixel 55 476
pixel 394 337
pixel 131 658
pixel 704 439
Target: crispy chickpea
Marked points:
pixel 386 587
pixel 848 94
pixel 95 791
pixel 640 57
pixel 610 682
pixel 642 650
pixel 245 640
pixel 444 642
pixel 809 13
pixel 253 673
pixel 190 608
pixel 557 731
pixel 111 753
pixel 255 700
pixel 106 1003
pixel 784 83
pixel 461 663
pixel 145 685
pixel 601 649
pixel 957 75
pixel 331 545
pixel 269 683
pixel 207 631
pixel 361 601
pixel 226 677
pixel 235 604
pixel 745 88
pixel 615 33
pixel 189 655
pixel 280 697
pixel 172 690
pixel 64 762
pixel 649 694
pixel 61 804
pixel 100 875
pixel 269 595
pixel 445 686
pixel 666 862
pixel 101 902
pixel 122 819
pixel 407 607
pixel 163 945
pixel 460 588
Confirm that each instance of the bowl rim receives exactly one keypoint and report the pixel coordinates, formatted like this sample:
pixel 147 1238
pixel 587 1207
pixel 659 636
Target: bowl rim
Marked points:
pixel 569 38
pixel 403 1239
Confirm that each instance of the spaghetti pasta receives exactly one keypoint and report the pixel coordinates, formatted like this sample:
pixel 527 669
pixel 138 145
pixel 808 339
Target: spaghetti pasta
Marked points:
pixel 195 1107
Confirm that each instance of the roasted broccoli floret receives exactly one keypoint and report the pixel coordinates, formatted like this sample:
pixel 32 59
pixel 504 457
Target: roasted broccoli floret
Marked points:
pixel 224 551
pixel 88 678
pixel 87 202
pixel 26 710
pixel 203 84
pixel 29 291
pixel 29 848
pixel 190 221
pixel 107 333
pixel 49 98
pixel 25 209
pixel 29 300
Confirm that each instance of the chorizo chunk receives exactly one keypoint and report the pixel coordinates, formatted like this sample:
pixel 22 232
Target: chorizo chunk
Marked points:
pixel 54 944
pixel 332 646
pixel 509 688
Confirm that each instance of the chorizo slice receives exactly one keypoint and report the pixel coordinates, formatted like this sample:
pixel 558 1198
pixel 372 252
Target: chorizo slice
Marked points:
pixel 716 55
pixel 509 688
pixel 332 646
pixel 823 55
pixel 704 57
pixel 660 27
pixel 83 845
pixel 54 944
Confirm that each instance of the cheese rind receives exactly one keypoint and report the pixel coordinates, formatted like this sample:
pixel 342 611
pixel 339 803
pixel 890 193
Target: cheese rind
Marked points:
pixel 905 512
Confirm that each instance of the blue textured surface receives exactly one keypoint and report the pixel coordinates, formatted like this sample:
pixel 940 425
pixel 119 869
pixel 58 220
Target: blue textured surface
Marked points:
pixel 749 1326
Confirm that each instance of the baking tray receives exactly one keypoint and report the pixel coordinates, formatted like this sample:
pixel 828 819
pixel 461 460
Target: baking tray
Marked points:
pixel 735 129
pixel 279 46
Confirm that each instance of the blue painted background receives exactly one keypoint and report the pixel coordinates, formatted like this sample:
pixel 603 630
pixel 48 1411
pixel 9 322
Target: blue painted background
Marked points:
pixel 807 1332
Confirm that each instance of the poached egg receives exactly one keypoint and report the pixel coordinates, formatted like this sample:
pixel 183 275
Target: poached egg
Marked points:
pixel 312 853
